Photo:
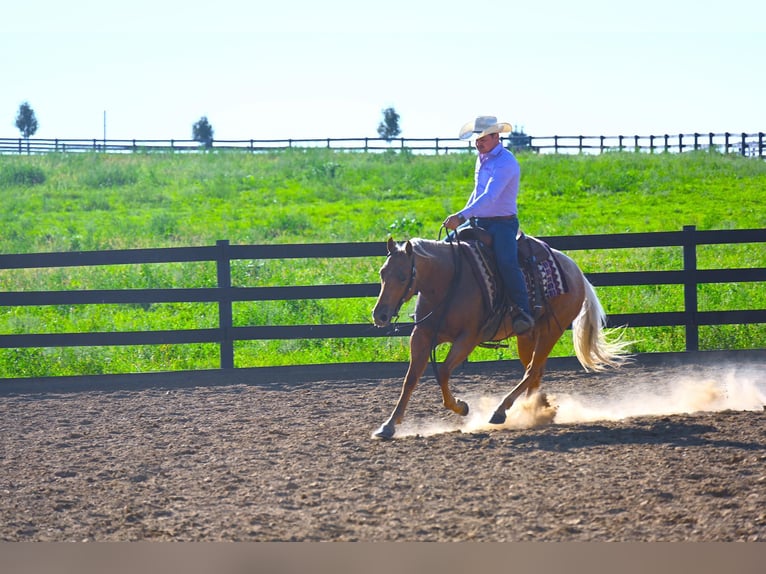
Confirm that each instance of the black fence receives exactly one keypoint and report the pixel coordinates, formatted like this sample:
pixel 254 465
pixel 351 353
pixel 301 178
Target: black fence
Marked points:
pixel 224 294
pixel 746 144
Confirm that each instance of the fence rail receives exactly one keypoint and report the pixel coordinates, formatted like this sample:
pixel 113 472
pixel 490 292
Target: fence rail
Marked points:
pixel 225 294
pixel 746 144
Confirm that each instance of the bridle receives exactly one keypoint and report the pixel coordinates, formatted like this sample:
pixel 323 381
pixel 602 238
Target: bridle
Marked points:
pixel 409 291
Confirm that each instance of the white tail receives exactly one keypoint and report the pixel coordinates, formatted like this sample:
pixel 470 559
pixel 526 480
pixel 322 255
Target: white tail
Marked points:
pixel 592 346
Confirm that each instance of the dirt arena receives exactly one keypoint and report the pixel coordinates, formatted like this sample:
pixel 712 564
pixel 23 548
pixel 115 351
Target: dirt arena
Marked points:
pixel 640 454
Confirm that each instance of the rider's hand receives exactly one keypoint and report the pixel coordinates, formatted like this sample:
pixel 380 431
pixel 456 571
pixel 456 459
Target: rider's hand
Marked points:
pixel 453 221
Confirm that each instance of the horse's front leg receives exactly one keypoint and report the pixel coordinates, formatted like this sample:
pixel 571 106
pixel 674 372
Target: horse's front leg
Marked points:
pixel 418 360
pixel 498 417
pixel 533 353
pixel 458 353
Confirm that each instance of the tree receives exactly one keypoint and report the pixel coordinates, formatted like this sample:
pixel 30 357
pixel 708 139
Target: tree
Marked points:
pixel 202 132
pixel 26 121
pixel 388 128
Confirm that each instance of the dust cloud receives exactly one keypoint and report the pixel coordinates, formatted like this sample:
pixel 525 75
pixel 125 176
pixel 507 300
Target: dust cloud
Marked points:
pixel 717 390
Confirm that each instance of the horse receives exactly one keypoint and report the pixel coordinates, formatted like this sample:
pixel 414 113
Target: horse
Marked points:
pixel 450 309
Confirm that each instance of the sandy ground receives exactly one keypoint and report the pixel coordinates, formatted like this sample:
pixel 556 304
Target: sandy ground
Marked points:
pixel 639 454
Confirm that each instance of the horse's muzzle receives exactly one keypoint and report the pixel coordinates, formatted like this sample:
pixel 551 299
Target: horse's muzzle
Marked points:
pixel 381 315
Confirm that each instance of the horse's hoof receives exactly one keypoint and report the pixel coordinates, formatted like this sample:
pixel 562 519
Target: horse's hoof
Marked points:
pixel 385 431
pixel 462 408
pixel 498 418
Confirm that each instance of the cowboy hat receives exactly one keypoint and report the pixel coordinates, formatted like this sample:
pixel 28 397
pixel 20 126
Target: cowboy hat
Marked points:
pixel 482 126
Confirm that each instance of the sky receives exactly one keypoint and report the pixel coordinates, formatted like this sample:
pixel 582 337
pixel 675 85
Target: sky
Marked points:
pixel 299 69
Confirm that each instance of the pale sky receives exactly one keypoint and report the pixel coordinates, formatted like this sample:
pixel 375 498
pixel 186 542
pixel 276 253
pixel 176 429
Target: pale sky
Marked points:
pixel 327 68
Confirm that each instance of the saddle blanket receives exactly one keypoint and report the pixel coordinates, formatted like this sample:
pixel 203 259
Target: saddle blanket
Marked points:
pixel 543 263
pixel 484 268
pixel 551 275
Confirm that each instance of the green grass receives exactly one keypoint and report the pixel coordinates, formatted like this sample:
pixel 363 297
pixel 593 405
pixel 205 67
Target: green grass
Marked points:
pixel 66 202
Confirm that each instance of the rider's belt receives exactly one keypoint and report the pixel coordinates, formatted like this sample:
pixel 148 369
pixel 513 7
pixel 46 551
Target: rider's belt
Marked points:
pixel 499 218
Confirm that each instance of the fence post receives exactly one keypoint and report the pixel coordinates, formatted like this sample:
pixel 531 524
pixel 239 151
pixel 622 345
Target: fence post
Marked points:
pixel 690 287
pixel 760 144
pixel 225 321
pixel 743 146
pixel 437 146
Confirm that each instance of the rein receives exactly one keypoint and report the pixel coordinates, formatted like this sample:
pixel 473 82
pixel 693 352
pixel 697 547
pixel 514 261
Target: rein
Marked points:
pixel 456 262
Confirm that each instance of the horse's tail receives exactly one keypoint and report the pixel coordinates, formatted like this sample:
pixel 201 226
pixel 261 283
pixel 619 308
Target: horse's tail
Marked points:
pixel 593 347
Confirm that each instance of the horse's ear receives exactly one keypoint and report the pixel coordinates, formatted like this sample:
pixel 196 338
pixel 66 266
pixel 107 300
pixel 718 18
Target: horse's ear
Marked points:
pixel 391 245
pixel 408 248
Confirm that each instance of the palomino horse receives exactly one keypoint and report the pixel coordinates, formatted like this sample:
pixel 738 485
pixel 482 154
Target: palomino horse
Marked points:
pixel 450 309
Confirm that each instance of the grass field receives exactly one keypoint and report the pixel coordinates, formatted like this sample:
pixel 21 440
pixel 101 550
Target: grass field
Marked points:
pixel 69 202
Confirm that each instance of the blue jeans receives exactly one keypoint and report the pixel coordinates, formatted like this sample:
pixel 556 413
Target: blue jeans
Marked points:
pixel 503 232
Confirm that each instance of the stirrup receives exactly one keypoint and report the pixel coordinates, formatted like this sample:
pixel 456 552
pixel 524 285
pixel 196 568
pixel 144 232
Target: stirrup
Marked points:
pixel 522 323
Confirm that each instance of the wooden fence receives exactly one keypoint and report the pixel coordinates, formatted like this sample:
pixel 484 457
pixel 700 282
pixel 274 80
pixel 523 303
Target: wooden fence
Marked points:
pixel 746 144
pixel 224 294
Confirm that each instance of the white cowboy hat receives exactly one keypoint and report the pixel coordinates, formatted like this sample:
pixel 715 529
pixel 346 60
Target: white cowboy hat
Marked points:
pixel 482 126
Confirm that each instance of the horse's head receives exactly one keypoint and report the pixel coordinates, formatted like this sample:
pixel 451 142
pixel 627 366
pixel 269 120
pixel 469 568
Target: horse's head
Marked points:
pixel 397 282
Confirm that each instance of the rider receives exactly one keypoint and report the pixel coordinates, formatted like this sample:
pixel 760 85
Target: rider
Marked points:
pixel 493 204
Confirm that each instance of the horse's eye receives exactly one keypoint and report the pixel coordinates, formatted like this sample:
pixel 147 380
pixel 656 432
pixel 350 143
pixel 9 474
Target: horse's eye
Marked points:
pixel 401 277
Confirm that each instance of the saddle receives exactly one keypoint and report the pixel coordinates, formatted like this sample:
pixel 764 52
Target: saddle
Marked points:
pixel 542 273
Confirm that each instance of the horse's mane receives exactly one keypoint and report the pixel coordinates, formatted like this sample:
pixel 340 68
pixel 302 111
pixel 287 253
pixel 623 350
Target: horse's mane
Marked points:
pixel 428 248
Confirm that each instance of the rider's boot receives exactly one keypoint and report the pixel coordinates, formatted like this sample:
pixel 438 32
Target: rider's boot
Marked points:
pixel 522 322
